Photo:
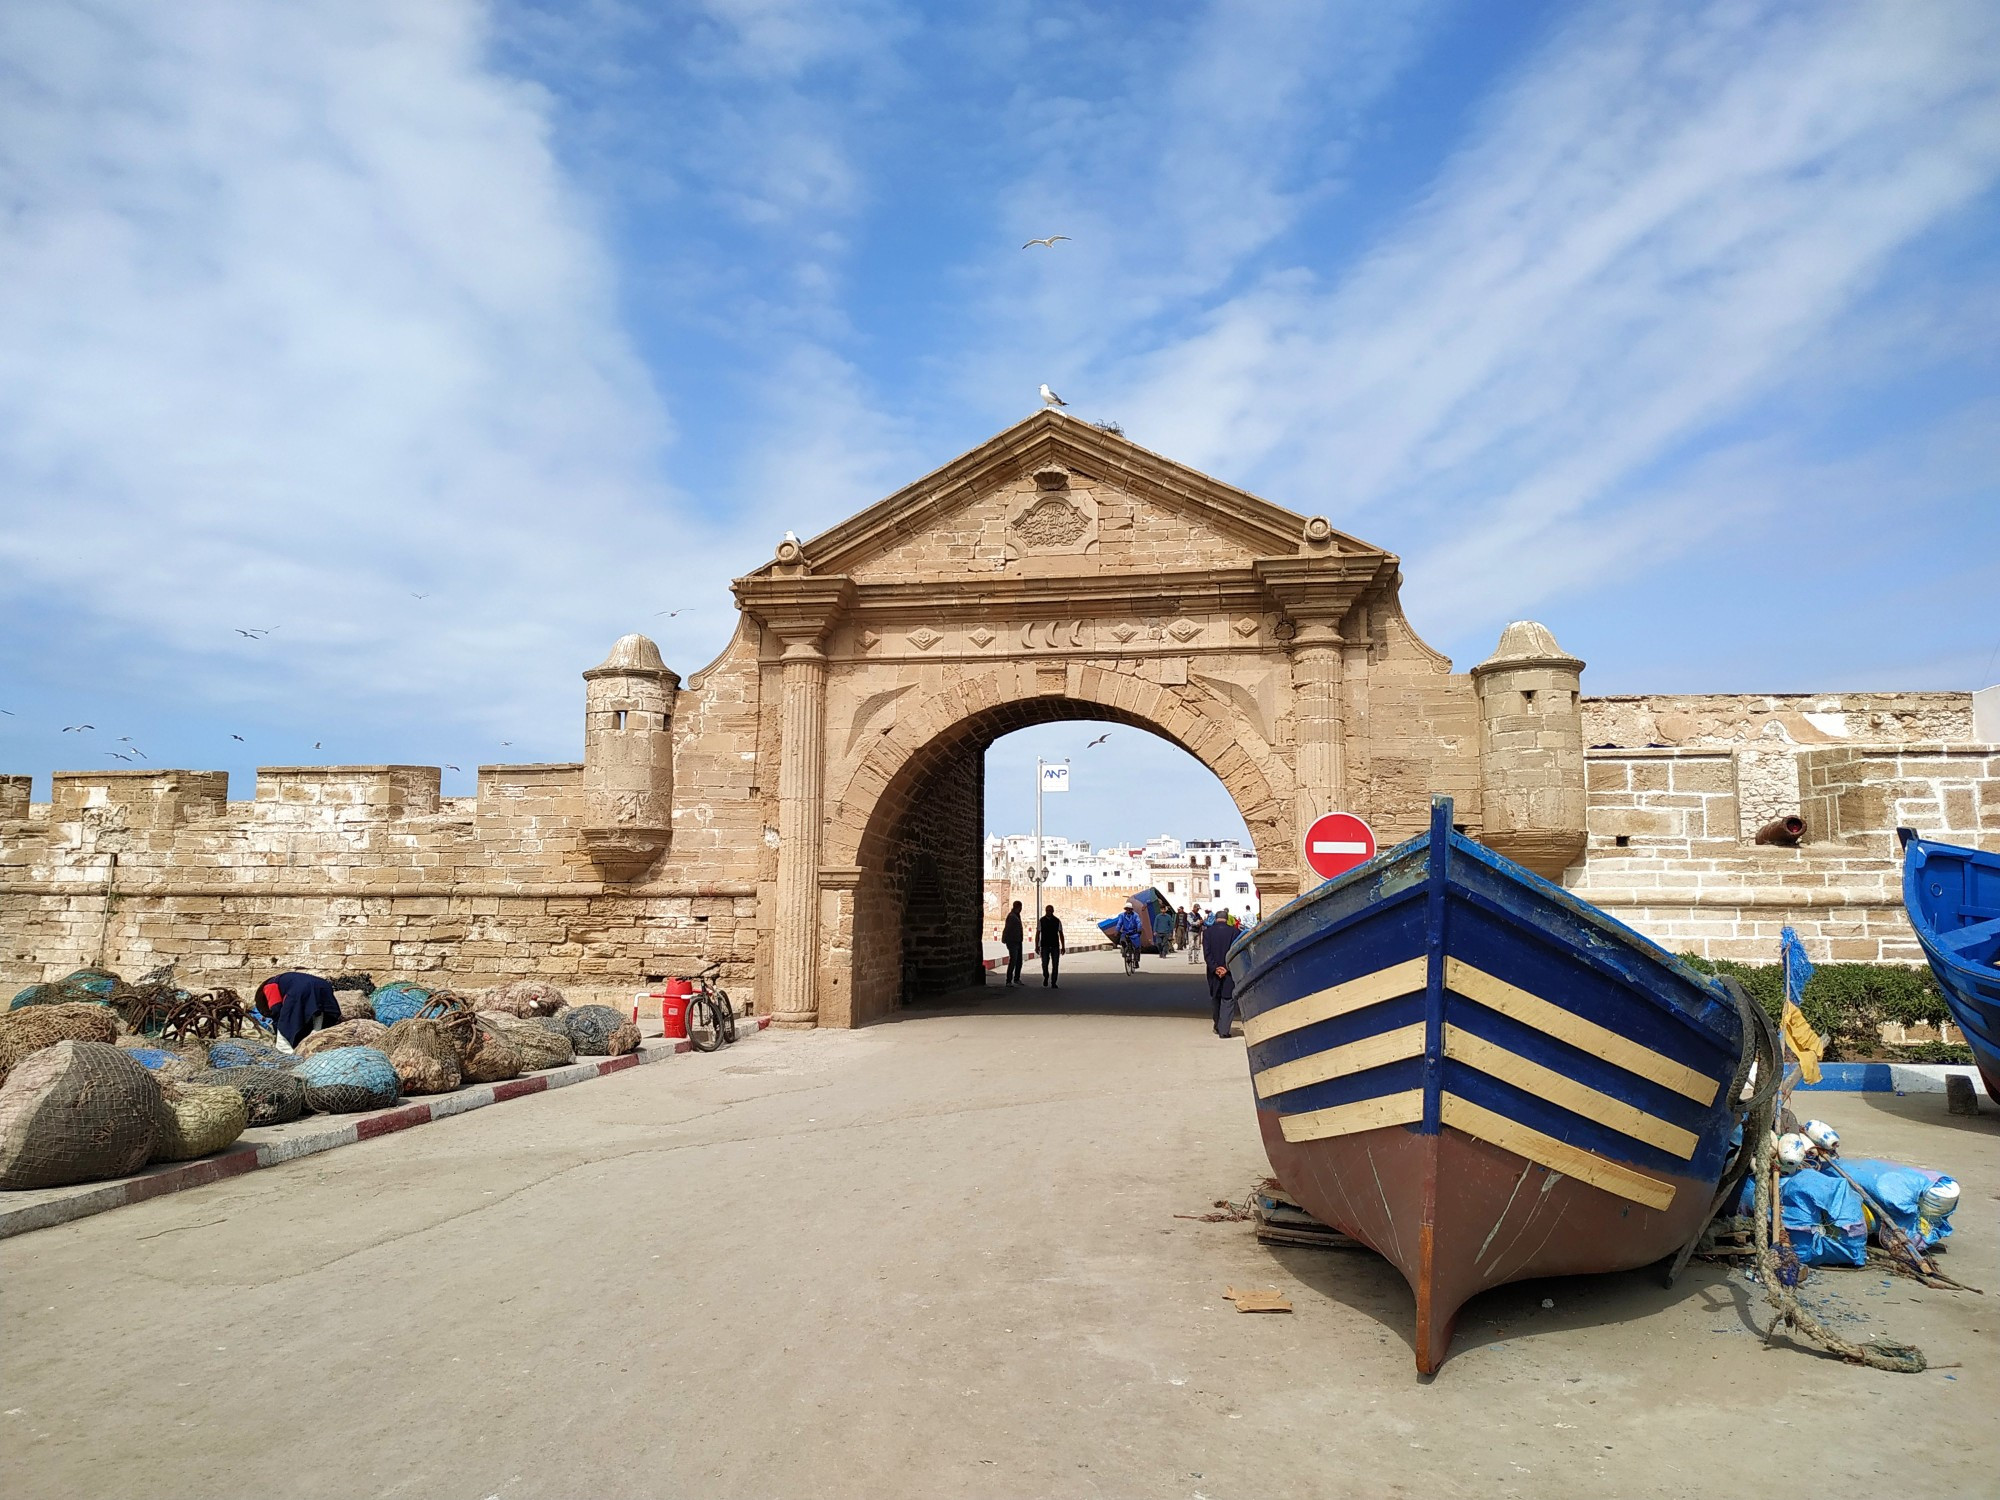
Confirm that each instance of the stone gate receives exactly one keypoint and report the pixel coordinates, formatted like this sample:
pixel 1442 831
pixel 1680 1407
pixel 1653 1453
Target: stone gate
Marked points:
pixel 807 809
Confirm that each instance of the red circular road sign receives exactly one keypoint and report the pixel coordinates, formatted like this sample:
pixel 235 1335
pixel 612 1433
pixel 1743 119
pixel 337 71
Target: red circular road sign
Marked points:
pixel 1337 843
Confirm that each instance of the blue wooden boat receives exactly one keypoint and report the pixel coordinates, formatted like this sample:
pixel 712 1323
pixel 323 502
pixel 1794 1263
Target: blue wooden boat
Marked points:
pixel 1953 897
pixel 1484 1078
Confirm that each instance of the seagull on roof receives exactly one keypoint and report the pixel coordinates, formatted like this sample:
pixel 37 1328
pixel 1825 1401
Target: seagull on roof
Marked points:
pixel 1050 398
pixel 1047 240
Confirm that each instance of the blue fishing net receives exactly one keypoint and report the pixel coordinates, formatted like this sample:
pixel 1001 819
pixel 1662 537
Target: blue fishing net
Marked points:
pixel 344 1080
pixel 398 1002
pixel 153 1058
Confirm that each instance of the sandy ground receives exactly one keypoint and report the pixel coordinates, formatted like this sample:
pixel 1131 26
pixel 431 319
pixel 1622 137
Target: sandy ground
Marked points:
pixel 937 1257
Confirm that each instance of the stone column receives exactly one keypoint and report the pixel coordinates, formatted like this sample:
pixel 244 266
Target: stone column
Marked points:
pixel 1316 710
pixel 802 750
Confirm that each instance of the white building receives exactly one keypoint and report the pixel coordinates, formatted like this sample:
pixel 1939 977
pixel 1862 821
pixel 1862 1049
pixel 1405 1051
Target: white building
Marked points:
pixel 1209 873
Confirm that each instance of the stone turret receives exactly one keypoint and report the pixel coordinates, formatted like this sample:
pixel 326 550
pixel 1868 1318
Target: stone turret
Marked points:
pixel 1531 749
pixel 628 758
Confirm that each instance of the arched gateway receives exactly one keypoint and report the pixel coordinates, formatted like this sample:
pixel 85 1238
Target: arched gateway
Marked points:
pixel 1057 572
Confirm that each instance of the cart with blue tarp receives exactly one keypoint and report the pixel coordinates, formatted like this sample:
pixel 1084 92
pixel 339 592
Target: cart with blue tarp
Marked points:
pixel 1156 921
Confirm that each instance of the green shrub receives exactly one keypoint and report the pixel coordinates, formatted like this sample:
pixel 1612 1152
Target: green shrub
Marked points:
pixel 1933 1052
pixel 1847 1003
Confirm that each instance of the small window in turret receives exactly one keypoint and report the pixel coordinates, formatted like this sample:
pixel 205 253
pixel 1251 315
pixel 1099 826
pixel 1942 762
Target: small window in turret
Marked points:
pixel 1528 699
pixel 619 716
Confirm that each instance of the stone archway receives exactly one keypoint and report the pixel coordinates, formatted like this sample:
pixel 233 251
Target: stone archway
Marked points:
pixel 901 889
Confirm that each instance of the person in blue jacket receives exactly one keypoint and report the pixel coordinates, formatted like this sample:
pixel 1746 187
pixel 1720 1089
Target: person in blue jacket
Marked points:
pixel 295 1002
pixel 1127 931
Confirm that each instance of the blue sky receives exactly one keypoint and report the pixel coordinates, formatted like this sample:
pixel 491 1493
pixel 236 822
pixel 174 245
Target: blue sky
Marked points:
pixel 1673 325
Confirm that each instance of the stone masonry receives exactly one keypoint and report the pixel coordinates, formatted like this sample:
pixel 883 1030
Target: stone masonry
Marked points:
pixel 806 810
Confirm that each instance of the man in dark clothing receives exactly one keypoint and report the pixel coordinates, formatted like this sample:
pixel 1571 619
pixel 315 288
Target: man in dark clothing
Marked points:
pixel 295 1002
pixel 1216 936
pixel 1049 943
pixel 1011 936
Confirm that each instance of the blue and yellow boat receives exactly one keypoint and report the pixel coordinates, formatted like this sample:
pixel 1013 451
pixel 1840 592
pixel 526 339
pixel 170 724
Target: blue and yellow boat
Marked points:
pixel 1484 1078
pixel 1953 897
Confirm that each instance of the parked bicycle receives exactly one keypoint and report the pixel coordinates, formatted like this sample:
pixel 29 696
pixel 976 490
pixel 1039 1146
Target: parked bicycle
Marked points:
pixel 711 1019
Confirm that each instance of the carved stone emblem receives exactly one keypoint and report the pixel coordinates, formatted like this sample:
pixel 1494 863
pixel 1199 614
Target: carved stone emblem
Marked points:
pixel 923 638
pixel 1051 522
pixel 982 638
pixel 1246 627
pixel 1124 633
pixel 869 640
pixel 1184 630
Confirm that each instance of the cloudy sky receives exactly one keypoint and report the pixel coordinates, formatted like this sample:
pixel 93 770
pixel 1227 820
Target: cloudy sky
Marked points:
pixel 449 341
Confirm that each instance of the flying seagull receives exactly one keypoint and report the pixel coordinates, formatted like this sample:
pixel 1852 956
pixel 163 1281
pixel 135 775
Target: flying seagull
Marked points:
pixel 8 712
pixel 1096 742
pixel 255 635
pixel 670 613
pixel 420 596
pixel 1050 398
pixel 73 728
pixel 315 744
pixel 116 756
pixel 1049 241
pixel 449 766
pixel 239 737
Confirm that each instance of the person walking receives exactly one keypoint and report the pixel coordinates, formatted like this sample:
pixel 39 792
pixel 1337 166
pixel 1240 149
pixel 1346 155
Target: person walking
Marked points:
pixel 1194 934
pixel 1050 944
pixel 1180 927
pixel 1216 937
pixel 1011 938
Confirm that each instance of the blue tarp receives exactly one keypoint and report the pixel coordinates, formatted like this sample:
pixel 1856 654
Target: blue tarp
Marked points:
pixel 1821 1214
pixel 1899 1189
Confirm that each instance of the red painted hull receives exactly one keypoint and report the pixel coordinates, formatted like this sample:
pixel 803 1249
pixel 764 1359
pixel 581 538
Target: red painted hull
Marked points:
pixel 1458 1215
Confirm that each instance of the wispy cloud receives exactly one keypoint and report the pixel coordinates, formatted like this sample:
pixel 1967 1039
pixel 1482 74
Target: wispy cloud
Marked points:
pixel 1647 228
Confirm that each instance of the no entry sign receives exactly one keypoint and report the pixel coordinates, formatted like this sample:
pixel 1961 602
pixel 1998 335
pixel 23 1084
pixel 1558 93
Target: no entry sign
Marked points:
pixel 1337 843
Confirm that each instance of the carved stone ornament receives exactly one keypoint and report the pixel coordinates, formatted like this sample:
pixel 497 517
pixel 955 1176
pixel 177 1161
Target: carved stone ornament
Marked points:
pixel 923 637
pixel 1123 633
pixel 1246 627
pixel 1051 522
pixel 1184 630
pixel 982 638
pixel 870 640
pixel 1052 477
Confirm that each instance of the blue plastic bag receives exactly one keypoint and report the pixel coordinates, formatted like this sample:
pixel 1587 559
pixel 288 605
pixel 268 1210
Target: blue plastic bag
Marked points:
pixel 1900 1190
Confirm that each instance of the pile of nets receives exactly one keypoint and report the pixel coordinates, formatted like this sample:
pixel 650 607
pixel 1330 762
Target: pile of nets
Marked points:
pixel 598 1031
pixel 29 1030
pixel 77 1111
pixel 167 1066
pixel 248 1054
pixel 348 1079
pixel 198 1121
pixel 541 1043
pixel 397 1002
pixel 357 1032
pixel 270 1096
pixel 523 997
pixel 82 987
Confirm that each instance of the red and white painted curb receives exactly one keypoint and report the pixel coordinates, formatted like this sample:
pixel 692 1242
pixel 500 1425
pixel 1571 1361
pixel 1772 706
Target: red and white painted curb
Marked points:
pixel 308 1137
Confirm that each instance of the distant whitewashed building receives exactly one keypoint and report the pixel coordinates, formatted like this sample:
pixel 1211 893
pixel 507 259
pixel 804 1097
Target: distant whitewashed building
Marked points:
pixel 1209 873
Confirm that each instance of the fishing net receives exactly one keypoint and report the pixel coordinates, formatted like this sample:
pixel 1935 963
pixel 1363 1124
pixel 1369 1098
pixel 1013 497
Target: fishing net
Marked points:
pixel 249 1054
pixel 348 1079
pixel 39 1026
pixel 523 997
pixel 540 1044
pixel 168 1067
pixel 397 1002
pixel 358 1032
pixel 426 1060
pixel 483 1052
pixel 82 987
pixel 271 1097
pixel 353 992
pixel 598 1031
pixel 198 1121
pixel 76 1112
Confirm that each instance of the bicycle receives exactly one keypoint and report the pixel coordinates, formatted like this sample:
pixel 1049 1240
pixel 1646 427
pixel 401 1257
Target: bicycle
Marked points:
pixel 711 1019
pixel 1131 952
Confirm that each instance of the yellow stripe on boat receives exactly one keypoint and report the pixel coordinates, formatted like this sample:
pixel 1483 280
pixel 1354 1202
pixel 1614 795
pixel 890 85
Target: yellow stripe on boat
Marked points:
pixel 1568 1026
pixel 1558 1156
pixel 1354 994
pixel 1546 1083
pixel 1338 1062
pixel 1350 1119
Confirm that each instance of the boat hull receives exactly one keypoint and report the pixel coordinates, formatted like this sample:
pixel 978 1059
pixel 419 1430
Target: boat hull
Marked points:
pixel 1952 896
pixel 1483 1078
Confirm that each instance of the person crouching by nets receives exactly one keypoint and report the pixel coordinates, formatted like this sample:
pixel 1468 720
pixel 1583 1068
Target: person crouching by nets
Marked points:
pixel 295 1003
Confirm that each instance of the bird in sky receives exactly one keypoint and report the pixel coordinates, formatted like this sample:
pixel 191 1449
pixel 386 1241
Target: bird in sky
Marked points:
pixel 670 613
pixel 75 728
pixel 239 737
pixel 420 596
pixel 1050 398
pixel 449 766
pixel 505 743
pixel 116 756
pixel 8 712
pixel 315 744
pixel 255 635
pixel 1047 240
pixel 1096 742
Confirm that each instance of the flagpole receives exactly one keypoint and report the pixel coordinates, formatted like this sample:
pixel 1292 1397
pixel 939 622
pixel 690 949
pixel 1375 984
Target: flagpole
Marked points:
pixel 1038 837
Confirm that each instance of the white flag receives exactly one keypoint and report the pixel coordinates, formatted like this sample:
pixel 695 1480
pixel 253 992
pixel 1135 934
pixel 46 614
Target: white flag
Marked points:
pixel 1055 778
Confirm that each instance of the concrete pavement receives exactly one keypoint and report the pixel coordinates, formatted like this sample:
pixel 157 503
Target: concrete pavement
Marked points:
pixel 940 1256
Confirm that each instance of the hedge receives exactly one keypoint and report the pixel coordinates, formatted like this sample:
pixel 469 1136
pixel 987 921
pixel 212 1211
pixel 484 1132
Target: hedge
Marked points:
pixel 1845 1002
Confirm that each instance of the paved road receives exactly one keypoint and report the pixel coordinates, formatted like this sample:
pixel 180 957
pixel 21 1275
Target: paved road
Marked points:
pixel 941 1256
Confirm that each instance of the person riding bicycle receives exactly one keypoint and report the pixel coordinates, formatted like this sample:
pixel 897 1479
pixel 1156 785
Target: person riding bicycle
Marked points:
pixel 1126 933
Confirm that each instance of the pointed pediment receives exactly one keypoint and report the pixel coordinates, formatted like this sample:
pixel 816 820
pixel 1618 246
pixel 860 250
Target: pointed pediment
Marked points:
pixel 1056 496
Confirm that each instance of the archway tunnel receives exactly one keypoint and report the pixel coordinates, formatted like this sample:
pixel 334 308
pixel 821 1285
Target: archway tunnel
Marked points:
pixel 922 923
